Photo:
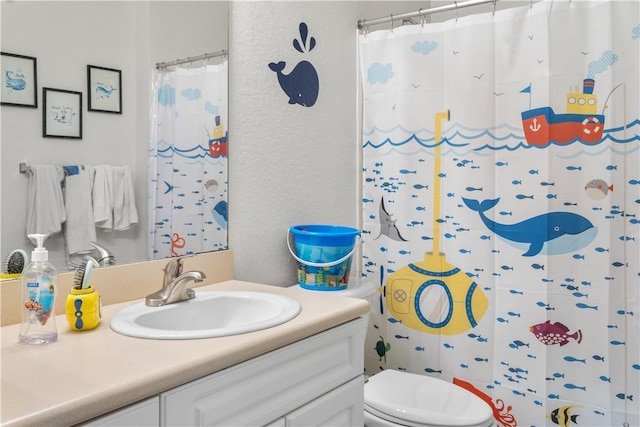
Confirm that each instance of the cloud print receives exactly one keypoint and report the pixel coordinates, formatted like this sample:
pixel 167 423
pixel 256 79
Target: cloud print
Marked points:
pixel 424 47
pixel 601 64
pixel 211 108
pixel 191 93
pixel 167 95
pixel 379 73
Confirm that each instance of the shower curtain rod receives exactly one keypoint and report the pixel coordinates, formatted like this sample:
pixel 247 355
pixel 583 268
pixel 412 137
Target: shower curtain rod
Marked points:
pixel 163 65
pixel 364 23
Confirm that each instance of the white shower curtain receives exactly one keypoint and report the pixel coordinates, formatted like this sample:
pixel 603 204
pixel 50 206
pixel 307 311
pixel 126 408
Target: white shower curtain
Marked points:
pixel 501 207
pixel 188 161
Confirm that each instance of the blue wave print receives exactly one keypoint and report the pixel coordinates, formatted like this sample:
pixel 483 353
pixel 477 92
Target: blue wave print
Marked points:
pixel 502 137
pixel 426 143
pixel 197 152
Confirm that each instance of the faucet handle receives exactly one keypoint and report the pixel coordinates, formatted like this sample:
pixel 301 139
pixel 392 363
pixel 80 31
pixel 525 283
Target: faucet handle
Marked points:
pixel 174 267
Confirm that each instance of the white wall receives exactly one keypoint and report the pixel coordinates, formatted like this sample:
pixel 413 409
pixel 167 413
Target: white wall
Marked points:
pixel 291 164
pixel 67 36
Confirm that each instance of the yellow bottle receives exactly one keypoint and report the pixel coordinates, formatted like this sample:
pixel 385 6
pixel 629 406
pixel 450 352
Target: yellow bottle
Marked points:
pixel 83 309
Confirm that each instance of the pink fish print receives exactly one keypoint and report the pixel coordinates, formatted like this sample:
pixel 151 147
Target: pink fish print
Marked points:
pixel 556 333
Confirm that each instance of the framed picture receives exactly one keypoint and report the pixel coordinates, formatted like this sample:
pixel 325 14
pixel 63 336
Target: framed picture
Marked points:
pixel 19 80
pixel 62 113
pixel 104 89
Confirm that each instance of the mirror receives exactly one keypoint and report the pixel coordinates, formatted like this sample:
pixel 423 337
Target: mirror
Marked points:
pixel 66 37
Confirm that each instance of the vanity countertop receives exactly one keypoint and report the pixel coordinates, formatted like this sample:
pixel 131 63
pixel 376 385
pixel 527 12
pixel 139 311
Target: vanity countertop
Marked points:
pixel 87 374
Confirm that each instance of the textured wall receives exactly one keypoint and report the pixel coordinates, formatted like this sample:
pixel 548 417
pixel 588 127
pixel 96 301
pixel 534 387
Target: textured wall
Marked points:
pixel 291 164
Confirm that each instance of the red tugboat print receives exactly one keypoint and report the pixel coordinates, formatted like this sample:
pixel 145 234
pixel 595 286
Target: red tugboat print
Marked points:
pixel 218 145
pixel 581 123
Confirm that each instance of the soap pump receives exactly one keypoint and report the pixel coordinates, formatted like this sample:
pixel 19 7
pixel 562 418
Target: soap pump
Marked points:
pixel 39 283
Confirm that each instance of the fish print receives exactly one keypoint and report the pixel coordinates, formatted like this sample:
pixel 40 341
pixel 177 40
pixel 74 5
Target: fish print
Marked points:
pixel 556 333
pixel 597 189
pixel 562 416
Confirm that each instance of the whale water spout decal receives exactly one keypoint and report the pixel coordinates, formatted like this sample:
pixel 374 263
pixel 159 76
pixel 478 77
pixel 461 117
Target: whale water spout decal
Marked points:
pixel 301 85
pixel 552 233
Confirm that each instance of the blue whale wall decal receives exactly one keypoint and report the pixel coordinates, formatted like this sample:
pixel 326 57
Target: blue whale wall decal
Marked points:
pixel 552 233
pixel 302 84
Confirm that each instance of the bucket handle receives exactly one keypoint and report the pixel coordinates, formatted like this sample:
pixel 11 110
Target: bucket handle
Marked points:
pixel 318 264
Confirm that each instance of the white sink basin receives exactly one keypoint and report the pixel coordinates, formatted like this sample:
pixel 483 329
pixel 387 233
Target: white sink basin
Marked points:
pixel 208 315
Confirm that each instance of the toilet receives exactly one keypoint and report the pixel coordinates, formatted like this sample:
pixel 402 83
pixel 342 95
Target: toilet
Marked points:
pixel 395 398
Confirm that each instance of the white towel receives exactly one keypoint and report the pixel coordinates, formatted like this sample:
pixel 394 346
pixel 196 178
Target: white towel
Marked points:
pixel 45 203
pixel 125 214
pixel 80 228
pixel 102 196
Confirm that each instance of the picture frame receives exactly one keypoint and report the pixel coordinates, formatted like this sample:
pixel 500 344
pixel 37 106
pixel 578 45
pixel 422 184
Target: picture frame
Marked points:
pixel 61 113
pixel 19 80
pixel 104 89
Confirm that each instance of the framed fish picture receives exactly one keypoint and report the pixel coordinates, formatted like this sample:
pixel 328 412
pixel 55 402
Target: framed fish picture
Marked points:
pixel 62 113
pixel 19 80
pixel 104 89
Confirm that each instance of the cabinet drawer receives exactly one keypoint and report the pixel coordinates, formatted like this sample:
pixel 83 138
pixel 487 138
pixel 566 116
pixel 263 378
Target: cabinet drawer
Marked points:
pixel 261 390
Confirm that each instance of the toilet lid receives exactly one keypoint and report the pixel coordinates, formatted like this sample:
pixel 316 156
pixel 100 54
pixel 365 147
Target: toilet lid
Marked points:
pixel 423 400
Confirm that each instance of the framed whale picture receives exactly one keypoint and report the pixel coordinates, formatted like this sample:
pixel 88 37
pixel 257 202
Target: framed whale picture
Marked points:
pixel 104 89
pixel 19 80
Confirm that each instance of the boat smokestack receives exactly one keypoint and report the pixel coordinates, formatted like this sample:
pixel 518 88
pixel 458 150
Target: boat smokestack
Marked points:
pixel 587 86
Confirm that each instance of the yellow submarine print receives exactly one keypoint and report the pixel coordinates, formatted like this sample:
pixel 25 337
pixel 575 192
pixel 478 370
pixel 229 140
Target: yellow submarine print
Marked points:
pixel 435 296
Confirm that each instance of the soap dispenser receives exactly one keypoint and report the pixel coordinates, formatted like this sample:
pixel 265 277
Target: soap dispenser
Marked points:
pixel 39 282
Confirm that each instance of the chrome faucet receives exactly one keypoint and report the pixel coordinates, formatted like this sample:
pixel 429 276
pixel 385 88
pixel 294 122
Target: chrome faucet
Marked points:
pixel 105 257
pixel 174 284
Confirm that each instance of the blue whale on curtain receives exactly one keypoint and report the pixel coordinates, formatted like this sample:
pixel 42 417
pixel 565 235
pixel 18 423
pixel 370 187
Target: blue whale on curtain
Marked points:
pixel 552 233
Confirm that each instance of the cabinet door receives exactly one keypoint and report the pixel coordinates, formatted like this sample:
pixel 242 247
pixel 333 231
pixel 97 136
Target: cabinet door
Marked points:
pixel 141 414
pixel 260 390
pixel 341 407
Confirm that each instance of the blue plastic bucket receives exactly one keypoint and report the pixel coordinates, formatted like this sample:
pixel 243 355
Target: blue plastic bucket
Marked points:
pixel 323 253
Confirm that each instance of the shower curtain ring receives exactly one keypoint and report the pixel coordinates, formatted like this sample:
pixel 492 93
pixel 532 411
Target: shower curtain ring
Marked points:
pixel 391 18
pixel 494 7
pixel 421 17
pixel 455 3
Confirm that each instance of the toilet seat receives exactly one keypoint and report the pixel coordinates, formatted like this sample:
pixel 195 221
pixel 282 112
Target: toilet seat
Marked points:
pixel 419 400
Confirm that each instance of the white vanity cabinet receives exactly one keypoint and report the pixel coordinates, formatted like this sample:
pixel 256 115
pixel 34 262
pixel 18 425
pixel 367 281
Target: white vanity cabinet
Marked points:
pixel 313 382
pixel 316 381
